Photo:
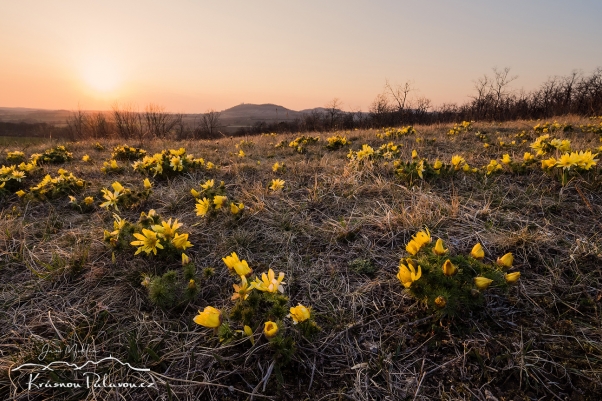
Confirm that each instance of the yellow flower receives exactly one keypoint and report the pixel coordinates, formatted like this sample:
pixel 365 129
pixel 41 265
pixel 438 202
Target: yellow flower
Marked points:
pixel 412 247
pixel 117 187
pixel 512 277
pixel 414 154
pixel 241 291
pixel 191 284
pixel 147 184
pixel 111 198
pixel 422 237
pixel 202 207
pixel 420 168
pixel 210 165
pixel 176 163
pixel 506 159
pixel 208 184
pixel 438 249
pixel 277 166
pixel 270 329
pixel 180 241
pixel 440 302
pixel 166 229
pixel 209 317
pixel 20 193
pixel 241 153
pixel 72 199
pixel 277 184
pixel 506 260
pixel 178 152
pixel 493 166
pixel 185 259
pixel 147 242
pixel 88 200
pixel 408 276
pixel 457 161
pixel 269 282
pixel 86 158
pixel 477 252
pixel 219 200
pixel 586 160
pixel 567 161
pixel 299 314
pixel 437 165
pixel 482 282
pixel 241 267
pixel 548 163
pixel 528 157
pixel 449 269
pixel 195 193
pixel 235 209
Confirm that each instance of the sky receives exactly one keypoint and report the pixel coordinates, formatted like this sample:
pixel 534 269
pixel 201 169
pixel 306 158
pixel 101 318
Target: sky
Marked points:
pixel 194 55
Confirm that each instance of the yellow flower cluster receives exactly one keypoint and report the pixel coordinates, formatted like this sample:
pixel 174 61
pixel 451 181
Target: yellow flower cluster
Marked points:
pixel 214 199
pixel 421 238
pixel 396 132
pixel 63 184
pixel 581 160
pixel 545 144
pixel 125 152
pixel 150 239
pixel 56 155
pixel 111 166
pixel 337 141
pixel 168 162
pixel 366 153
pixel 465 126
pixel 15 156
pixel 551 127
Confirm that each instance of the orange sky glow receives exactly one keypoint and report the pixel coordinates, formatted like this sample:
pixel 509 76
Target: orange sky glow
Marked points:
pixel 191 56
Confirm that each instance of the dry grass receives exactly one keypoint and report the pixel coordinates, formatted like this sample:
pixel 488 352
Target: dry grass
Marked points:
pixel 59 285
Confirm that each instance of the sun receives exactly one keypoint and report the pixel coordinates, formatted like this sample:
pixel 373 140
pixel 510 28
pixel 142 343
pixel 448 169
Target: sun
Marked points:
pixel 101 75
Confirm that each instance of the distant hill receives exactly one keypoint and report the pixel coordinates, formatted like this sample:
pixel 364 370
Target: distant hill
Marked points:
pixel 240 115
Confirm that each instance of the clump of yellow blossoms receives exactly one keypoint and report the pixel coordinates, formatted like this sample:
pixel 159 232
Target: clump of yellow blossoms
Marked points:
pixel 451 284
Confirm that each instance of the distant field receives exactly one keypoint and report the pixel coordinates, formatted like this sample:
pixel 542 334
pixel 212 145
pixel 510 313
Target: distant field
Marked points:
pixel 16 141
pixel 338 230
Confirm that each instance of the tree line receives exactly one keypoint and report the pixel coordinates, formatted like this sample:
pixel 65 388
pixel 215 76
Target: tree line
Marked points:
pixel 493 99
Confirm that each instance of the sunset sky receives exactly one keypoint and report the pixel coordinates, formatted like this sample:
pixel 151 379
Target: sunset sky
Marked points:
pixel 193 55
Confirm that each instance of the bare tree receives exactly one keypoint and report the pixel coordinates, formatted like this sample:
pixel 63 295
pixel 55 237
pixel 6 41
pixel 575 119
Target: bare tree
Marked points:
pixel 500 84
pixel 399 93
pixel 129 122
pixel 380 109
pixel 160 124
pixel 209 123
pixel 333 109
pixel 99 126
pixel 77 124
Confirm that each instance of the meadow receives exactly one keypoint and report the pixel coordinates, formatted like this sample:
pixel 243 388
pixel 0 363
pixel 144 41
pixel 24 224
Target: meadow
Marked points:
pixel 298 267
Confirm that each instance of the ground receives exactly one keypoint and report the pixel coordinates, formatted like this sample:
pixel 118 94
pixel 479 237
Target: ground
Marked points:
pixel 337 230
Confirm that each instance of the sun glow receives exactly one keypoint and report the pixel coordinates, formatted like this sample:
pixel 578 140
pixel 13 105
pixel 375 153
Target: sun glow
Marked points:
pixel 101 75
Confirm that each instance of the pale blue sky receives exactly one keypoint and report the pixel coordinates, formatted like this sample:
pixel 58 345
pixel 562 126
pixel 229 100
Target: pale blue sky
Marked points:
pixel 192 55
